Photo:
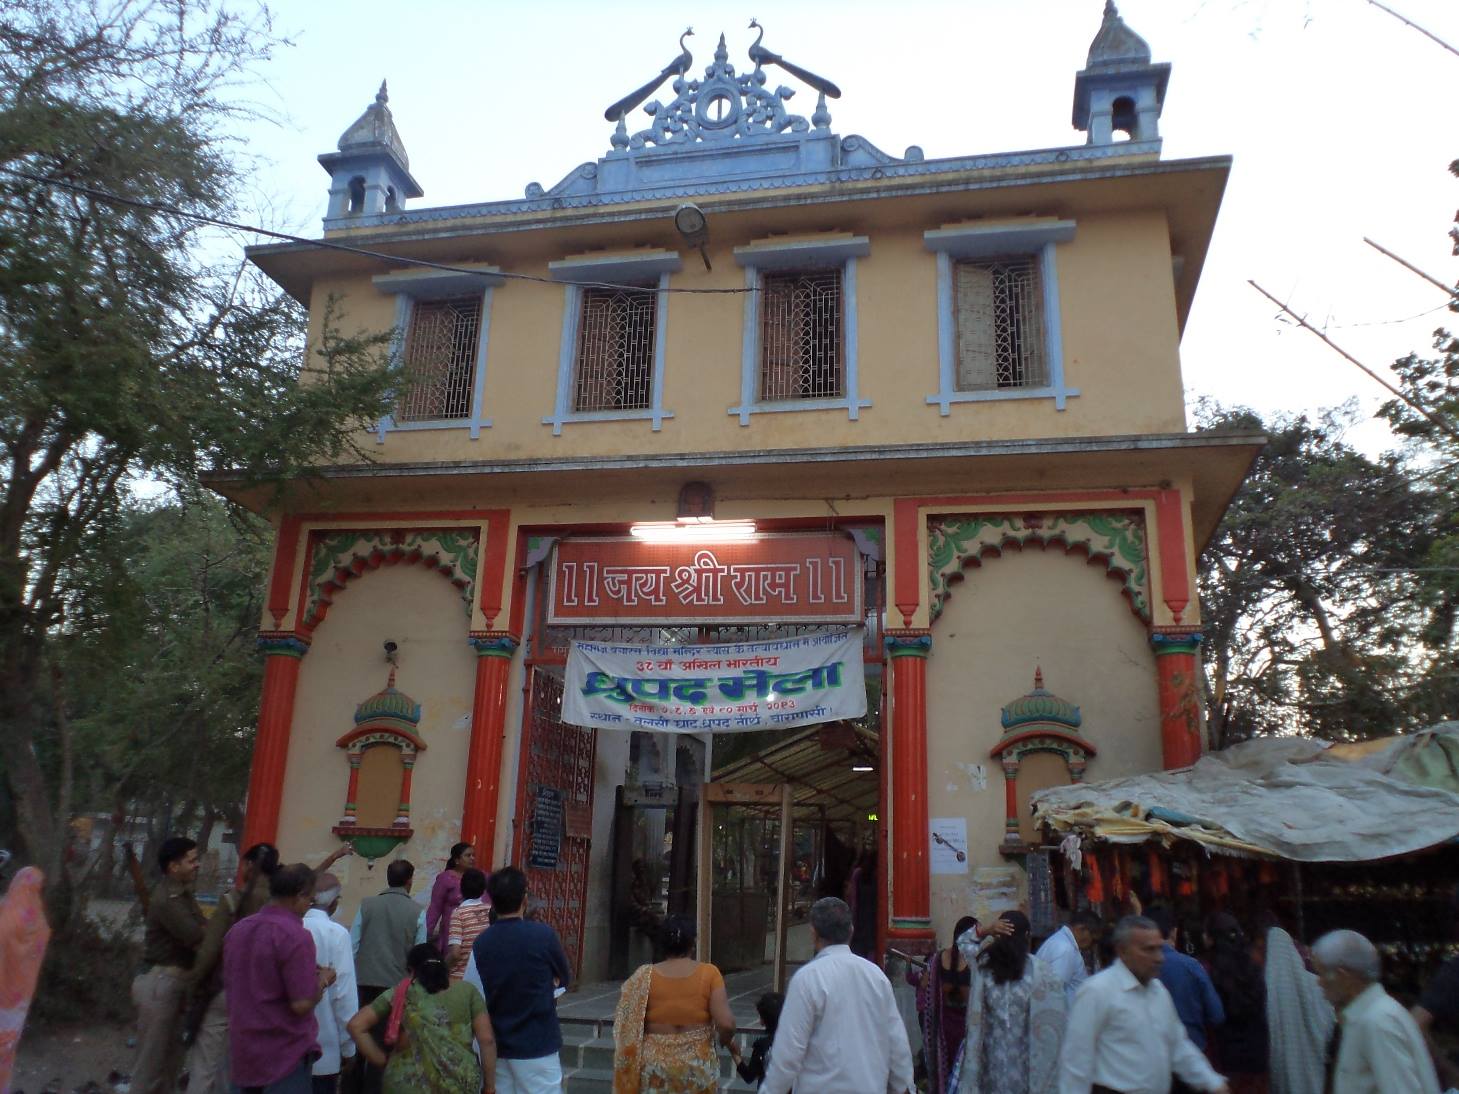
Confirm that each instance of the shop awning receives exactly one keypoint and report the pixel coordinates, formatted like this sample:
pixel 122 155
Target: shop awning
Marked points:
pixel 1286 797
pixel 817 763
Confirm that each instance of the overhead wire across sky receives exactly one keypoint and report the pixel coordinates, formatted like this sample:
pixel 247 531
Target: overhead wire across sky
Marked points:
pixel 332 245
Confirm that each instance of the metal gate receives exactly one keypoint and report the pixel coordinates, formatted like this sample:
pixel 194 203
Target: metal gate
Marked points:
pixel 554 822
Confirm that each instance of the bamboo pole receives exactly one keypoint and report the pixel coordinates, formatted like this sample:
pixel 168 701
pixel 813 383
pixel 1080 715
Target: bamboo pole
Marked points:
pixel 1449 290
pixel 1430 35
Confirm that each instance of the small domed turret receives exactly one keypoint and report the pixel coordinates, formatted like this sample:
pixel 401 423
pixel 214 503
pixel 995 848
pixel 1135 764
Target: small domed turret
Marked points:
pixel 1119 89
pixel 370 174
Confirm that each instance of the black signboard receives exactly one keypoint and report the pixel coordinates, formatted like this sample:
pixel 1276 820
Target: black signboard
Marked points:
pixel 547 820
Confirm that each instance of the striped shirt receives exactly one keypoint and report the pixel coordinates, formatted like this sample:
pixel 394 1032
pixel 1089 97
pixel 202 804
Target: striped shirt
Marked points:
pixel 470 918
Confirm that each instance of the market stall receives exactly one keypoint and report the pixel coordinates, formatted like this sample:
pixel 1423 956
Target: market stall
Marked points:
pixel 1291 830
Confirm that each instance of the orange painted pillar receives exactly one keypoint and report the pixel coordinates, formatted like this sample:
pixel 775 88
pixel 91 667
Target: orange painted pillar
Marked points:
pixel 1011 833
pixel 1180 711
pixel 283 653
pixel 911 913
pixel 494 652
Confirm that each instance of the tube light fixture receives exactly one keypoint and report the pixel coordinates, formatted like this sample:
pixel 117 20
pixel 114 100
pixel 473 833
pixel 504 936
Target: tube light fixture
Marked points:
pixel 711 531
pixel 862 765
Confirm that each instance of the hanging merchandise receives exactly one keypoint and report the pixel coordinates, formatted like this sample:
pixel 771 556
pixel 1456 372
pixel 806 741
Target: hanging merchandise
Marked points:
pixel 1094 887
pixel 1159 878
pixel 1119 882
pixel 1185 879
pixel 1041 917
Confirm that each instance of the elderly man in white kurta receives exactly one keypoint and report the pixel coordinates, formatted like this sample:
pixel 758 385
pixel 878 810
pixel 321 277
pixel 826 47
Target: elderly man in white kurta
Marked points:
pixel 1380 1049
pixel 332 948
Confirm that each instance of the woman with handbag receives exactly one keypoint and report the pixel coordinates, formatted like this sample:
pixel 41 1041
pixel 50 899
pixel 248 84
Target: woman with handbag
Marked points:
pixel 669 1016
pixel 431 1023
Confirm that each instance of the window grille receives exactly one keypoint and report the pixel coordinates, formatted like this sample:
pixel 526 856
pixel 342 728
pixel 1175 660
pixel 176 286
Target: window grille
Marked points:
pixel 615 351
pixel 800 336
pixel 440 360
pixel 1000 324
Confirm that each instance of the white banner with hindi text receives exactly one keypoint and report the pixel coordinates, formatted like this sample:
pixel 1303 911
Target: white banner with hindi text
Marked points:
pixel 725 688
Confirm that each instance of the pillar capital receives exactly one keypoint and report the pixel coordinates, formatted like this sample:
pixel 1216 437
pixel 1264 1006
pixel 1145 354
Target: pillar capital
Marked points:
pixel 494 644
pixel 281 644
pixel 1175 640
pixel 908 643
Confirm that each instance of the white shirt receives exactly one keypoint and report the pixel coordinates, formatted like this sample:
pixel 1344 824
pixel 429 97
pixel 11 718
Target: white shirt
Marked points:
pixel 1382 1050
pixel 1126 1035
pixel 840 1030
pixel 340 1000
pixel 1060 952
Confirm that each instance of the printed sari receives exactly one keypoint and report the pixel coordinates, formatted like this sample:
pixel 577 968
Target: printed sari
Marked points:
pixel 942 1025
pixel 658 1063
pixel 437 1047
pixel 24 933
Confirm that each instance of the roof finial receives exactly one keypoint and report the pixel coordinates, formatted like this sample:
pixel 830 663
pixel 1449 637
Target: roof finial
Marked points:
pixel 390 683
pixel 1038 672
pixel 1109 8
pixel 383 95
pixel 721 51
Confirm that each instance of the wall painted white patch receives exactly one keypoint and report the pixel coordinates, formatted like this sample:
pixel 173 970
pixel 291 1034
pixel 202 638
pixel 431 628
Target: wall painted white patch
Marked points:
pixel 977 776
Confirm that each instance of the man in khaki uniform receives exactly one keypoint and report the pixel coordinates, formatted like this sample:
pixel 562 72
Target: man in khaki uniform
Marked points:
pixel 175 926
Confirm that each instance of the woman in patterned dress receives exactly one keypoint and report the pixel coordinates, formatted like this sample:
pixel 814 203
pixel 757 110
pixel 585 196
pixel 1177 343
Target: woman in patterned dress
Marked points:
pixel 669 1016
pixel 435 1026
pixel 1016 1015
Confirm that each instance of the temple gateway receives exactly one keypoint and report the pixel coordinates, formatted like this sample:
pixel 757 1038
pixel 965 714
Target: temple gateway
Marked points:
pixel 761 514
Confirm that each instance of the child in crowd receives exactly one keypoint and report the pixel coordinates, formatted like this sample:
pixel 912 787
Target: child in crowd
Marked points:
pixel 768 1008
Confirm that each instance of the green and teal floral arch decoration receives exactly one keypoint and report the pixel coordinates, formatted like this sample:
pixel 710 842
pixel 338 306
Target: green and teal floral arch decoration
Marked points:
pixel 1113 538
pixel 337 558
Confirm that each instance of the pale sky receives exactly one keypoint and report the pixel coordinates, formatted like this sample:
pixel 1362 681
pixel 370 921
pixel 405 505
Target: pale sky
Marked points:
pixel 1340 119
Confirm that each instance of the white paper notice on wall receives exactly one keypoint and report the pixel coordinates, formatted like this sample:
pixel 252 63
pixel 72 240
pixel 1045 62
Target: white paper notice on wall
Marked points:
pixel 949 845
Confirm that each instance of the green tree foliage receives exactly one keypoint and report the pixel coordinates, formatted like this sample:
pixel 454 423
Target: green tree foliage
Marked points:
pixel 123 351
pixel 1313 607
pixel 160 662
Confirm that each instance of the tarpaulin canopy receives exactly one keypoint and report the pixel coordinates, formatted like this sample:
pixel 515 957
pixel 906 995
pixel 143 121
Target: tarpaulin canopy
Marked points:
pixel 1282 797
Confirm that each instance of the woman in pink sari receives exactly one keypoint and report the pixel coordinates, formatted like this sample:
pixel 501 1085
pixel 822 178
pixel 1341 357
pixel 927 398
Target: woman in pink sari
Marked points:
pixel 24 933
pixel 446 895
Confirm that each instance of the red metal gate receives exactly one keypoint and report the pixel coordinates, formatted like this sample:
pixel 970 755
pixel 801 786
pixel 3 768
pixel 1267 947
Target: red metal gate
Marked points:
pixel 557 767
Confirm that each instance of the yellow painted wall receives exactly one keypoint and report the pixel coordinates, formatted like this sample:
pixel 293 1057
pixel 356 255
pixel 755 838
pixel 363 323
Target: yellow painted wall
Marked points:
pixel 1016 612
pixel 1121 351
pixel 422 613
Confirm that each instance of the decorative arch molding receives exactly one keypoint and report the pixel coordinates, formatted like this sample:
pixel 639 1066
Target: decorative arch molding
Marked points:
pixel 1113 538
pixel 337 558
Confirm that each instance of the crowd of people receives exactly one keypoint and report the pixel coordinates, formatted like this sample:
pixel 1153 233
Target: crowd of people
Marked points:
pixel 1127 1007
pixel 459 996
pixel 270 995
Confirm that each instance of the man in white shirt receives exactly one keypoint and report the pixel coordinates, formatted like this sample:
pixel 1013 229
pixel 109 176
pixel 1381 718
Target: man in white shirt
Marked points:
pixel 1380 1047
pixel 1064 951
pixel 332 948
pixel 1124 1036
pixel 840 1029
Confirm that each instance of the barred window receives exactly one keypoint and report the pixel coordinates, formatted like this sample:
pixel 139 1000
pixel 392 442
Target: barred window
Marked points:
pixel 1000 324
pixel 800 336
pixel 440 359
pixel 615 350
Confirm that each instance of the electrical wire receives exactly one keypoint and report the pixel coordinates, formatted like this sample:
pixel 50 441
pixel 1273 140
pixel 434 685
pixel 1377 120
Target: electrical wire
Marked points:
pixel 330 245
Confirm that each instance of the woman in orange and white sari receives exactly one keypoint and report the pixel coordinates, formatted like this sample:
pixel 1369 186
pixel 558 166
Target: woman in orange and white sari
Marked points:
pixel 23 936
pixel 668 1019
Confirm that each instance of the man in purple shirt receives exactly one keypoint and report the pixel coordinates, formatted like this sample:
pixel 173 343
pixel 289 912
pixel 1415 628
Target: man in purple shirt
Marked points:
pixel 273 983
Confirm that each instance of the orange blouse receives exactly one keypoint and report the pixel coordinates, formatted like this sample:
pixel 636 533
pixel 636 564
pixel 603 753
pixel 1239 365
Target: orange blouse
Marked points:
pixel 682 1000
